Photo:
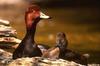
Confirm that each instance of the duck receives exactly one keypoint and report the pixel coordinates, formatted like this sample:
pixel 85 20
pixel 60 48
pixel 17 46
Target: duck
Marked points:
pixel 61 50
pixel 28 46
pixel 66 53
pixel 56 51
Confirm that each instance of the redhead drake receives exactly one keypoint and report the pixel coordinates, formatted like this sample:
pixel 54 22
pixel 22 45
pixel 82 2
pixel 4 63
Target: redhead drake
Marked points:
pixel 28 47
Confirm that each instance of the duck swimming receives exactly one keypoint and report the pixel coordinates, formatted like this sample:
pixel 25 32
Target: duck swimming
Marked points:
pixel 59 49
pixel 28 47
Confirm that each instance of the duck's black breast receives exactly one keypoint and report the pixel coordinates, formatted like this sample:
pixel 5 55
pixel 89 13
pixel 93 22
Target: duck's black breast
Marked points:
pixel 27 48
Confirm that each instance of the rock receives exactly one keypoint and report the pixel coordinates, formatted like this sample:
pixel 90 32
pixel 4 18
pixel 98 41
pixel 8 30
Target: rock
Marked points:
pixel 5 22
pixel 38 61
pixel 7 30
pixel 6 60
pixel 7 34
pixel 5 56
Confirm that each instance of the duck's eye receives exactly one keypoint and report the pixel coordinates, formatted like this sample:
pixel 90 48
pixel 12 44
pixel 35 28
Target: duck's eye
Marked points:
pixel 33 11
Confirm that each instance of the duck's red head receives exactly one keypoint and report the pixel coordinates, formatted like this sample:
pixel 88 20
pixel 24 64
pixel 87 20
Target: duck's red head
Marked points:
pixel 33 13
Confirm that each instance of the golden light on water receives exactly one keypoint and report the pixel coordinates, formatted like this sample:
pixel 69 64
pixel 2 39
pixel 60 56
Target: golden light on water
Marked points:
pixel 51 37
pixel 41 24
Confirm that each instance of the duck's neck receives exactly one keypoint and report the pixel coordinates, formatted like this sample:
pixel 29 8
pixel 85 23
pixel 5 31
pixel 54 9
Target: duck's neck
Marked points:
pixel 31 28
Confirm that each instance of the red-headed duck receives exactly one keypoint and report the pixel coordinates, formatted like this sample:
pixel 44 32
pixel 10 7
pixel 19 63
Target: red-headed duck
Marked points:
pixel 28 47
